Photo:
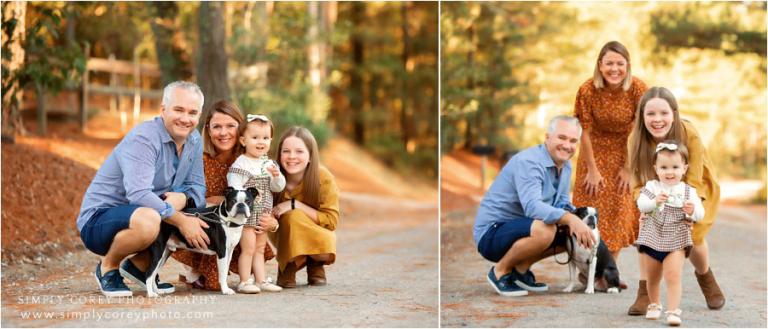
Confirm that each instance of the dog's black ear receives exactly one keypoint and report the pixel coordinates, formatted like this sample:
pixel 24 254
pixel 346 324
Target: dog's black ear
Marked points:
pixel 580 212
pixel 254 191
pixel 229 190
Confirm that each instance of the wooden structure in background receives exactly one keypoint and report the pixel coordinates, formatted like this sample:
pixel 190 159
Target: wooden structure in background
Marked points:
pixel 137 72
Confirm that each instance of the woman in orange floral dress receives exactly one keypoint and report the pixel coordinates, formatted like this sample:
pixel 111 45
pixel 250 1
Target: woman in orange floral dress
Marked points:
pixel 220 149
pixel 605 106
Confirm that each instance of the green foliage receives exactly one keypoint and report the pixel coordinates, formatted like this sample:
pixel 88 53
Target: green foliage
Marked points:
pixel 388 148
pixel 492 56
pixel 708 26
pixel 392 100
pixel 285 107
pixel 278 45
pixel 49 63
pixel 116 28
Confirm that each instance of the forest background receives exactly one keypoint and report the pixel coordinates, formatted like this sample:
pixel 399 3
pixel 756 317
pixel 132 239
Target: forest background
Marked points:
pixel 364 71
pixel 506 68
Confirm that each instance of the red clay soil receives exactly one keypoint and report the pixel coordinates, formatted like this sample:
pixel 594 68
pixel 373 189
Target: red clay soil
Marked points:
pixel 460 180
pixel 41 196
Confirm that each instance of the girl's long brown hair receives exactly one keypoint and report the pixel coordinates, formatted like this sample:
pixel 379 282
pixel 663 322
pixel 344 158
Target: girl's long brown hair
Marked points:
pixel 641 146
pixel 311 180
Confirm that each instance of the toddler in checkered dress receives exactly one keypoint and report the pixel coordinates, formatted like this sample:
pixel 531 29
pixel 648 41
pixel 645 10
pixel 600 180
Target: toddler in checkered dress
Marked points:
pixel 669 208
pixel 255 169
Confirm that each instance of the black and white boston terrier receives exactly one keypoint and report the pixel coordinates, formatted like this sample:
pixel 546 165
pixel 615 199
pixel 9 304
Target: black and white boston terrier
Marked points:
pixel 225 226
pixel 597 261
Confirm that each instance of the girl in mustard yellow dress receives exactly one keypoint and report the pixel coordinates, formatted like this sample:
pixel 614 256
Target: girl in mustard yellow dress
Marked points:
pixel 307 210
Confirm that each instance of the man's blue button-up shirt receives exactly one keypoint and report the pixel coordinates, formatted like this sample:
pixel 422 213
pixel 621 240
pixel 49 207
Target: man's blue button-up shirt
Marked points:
pixel 141 168
pixel 528 186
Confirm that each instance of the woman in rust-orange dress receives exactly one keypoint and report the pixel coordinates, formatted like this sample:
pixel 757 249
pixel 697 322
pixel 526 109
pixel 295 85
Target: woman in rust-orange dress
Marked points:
pixel 221 148
pixel 605 106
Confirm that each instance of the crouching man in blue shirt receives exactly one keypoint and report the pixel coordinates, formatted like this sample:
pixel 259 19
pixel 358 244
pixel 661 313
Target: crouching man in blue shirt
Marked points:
pixel 155 171
pixel 518 216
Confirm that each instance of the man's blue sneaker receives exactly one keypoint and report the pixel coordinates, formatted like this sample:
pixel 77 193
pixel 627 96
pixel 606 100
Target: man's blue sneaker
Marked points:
pixel 111 284
pixel 130 271
pixel 527 281
pixel 504 286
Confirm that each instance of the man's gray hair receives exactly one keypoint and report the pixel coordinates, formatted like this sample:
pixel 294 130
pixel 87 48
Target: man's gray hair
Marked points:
pixel 168 91
pixel 566 118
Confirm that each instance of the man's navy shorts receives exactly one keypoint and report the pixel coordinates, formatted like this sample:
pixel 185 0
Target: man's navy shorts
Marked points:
pixel 100 230
pixel 502 235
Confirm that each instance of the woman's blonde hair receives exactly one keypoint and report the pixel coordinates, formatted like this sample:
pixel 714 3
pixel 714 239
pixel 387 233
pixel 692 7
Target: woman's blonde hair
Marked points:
pixel 641 151
pixel 311 179
pixel 597 80
pixel 226 108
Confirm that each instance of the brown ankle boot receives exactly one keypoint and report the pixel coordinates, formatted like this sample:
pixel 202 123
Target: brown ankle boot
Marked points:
pixel 710 289
pixel 287 277
pixel 641 302
pixel 315 273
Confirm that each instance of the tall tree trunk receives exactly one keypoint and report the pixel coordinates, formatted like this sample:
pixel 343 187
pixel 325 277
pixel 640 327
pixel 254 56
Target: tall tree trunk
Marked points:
pixel 13 11
pixel 256 22
pixel 356 79
pixel 173 61
pixel 212 59
pixel 317 103
pixel 471 87
pixel 405 125
pixel 329 21
pixel 253 69
pixel 71 41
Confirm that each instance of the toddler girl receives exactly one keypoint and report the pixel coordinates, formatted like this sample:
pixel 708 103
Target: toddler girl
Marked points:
pixel 255 169
pixel 669 207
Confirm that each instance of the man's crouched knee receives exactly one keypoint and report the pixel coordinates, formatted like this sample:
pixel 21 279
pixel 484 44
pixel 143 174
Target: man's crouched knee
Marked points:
pixel 146 222
pixel 543 232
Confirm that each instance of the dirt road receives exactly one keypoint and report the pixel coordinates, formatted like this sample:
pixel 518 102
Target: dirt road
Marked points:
pixel 385 276
pixel 738 257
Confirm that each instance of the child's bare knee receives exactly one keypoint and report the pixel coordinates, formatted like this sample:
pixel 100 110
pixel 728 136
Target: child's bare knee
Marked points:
pixel 260 245
pixel 247 249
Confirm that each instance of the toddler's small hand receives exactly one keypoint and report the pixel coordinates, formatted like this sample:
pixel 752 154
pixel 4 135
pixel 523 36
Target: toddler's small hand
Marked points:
pixel 688 207
pixel 662 197
pixel 273 170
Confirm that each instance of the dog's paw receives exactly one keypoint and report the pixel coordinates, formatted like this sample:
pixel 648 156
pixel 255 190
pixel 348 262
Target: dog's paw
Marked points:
pixel 613 290
pixel 152 294
pixel 569 288
pixel 589 291
pixel 227 291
